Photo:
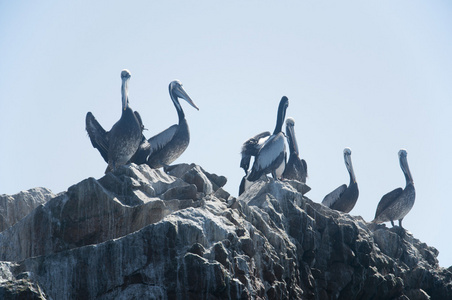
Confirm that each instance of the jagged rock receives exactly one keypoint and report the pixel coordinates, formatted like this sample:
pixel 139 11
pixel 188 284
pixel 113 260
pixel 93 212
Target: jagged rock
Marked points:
pixel 94 211
pixel 17 287
pixel 14 208
pixel 204 181
pixel 143 233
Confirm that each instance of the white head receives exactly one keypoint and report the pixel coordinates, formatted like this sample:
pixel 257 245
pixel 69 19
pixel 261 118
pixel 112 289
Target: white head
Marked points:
pixel 290 121
pixel 177 91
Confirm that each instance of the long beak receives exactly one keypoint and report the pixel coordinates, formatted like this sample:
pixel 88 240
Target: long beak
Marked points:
pixel 348 163
pixel 291 132
pixel 406 169
pixel 181 93
pixel 125 92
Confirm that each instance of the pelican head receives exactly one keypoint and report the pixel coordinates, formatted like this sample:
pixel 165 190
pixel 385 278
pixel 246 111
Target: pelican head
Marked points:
pixel 348 163
pixel 347 151
pixel 290 122
pixel 290 132
pixel 404 166
pixel 177 91
pixel 283 104
pixel 125 77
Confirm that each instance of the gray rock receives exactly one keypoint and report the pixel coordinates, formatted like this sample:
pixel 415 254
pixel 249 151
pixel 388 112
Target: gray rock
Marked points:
pixel 14 208
pixel 143 233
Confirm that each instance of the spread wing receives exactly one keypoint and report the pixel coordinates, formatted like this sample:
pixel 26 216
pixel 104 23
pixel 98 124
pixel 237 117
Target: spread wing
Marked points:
pixel 162 139
pixel 137 115
pixel 97 135
pixel 332 197
pixel 387 200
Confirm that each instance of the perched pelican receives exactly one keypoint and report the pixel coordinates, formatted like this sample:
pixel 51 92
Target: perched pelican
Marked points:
pixel 251 147
pixel 169 144
pixel 396 205
pixel 296 168
pixel 271 157
pixel 119 144
pixel 344 198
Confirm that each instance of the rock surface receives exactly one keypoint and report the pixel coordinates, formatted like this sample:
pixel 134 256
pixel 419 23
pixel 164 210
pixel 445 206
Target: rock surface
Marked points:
pixel 144 233
pixel 14 208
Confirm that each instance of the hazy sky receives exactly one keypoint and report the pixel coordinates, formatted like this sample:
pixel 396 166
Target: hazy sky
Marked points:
pixel 375 76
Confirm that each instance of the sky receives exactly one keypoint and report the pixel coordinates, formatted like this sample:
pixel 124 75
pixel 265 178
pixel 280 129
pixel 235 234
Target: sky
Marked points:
pixel 374 76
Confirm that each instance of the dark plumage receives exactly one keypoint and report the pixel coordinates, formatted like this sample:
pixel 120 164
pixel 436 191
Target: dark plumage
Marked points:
pixel 251 147
pixel 296 168
pixel 169 144
pixel 396 204
pixel 119 144
pixel 344 198
pixel 271 157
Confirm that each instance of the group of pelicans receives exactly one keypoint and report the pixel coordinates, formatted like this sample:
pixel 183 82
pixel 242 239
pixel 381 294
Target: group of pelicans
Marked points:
pixel 125 143
pixel 269 151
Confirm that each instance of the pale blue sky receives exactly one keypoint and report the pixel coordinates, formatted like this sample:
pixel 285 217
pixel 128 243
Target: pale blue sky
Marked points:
pixel 374 76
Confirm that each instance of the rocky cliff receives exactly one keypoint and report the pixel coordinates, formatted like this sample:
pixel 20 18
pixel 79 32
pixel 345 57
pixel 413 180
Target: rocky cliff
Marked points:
pixel 143 233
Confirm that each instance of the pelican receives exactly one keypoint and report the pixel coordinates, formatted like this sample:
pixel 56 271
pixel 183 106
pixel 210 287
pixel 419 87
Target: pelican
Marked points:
pixel 344 198
pixel 119 144
pixel 271 157
pixel 397 204
pixel 251 147
pixel 296 168
pixel 169 144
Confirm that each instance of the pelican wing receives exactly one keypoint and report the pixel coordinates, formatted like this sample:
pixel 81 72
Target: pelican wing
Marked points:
pixel 162 139
pixel 137 115
pixel 98 136
pixel 142 153
pixel 387 200
pixel 251 147
pixel 332 197
pixel 272 148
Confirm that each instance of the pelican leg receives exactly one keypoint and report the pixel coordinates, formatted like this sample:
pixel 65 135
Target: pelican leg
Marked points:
pixel 165 166
pixel 275 177
pixel 400 222
pixel 392 223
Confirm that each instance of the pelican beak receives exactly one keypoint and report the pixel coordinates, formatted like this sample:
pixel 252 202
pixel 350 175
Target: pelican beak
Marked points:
pixel 291 132
pixel 404 165
pixel 125 93
pixel 348 163
pixel 181 93
pixel 408 172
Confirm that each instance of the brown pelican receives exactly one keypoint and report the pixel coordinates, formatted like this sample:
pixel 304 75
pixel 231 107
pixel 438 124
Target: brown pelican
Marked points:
pixel 271 157
pixel 169 144
pixel 251 147
pixel 395 205
pixel 119 144
pixel 344 198
pixel 296 168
